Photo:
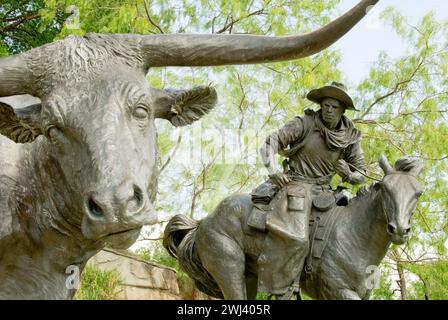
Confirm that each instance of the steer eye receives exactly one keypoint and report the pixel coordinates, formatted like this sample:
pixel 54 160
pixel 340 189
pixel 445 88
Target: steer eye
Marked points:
pixel 54 134
pixel 51 132
pixel 141 112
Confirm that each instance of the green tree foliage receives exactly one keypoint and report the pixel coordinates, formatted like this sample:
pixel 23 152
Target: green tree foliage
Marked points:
pixel 404 113
pixel 158 254
pixel 432 283
pixel 26 24
pixel 383 290
pixel 403 103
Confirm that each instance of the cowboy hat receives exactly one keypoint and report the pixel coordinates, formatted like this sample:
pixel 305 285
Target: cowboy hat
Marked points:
pixel 336 91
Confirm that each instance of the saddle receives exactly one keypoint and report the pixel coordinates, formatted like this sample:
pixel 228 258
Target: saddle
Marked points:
pixel 290 244
pixel 321 223
pixel 323 200
pixel 326 208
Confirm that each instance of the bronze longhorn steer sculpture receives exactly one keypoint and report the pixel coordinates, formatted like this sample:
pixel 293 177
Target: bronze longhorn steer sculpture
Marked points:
pixel 78 171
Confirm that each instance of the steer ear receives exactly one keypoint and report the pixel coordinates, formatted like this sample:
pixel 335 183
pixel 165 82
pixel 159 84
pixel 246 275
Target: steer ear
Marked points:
pixel 183 107
pixel 20 125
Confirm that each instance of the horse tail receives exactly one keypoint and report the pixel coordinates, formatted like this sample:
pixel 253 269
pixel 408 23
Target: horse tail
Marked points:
pixel 179 240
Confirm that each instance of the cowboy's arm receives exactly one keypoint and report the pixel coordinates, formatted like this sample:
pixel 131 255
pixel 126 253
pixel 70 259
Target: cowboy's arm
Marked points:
pixel 280 140
pixel 355 168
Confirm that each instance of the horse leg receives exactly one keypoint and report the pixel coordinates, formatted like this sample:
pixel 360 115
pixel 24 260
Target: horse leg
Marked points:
pixel 346 294
pixel 225 261
pixel 251 286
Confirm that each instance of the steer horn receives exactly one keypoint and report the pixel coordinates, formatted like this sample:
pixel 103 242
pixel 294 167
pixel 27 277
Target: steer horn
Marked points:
pixel 219 49
pixel 199 50
pixel 15 77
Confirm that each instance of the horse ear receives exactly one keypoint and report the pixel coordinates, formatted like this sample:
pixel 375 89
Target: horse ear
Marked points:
pixel 385 165
pixel 20 125
pixel 183 107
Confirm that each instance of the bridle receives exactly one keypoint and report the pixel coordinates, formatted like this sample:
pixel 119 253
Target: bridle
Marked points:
pixel 384 212
pixel 382 201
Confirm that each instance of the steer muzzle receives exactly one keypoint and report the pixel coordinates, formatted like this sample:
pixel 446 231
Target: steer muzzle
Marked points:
pixel 117 212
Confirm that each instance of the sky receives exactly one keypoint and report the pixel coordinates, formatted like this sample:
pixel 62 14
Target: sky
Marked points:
pixel 361 46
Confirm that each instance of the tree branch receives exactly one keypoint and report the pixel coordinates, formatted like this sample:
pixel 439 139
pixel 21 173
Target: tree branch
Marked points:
pixel 228 25
pixel 397 88
pixel 18 22
pixel 197 191
pixel 150 19
pixel 173 153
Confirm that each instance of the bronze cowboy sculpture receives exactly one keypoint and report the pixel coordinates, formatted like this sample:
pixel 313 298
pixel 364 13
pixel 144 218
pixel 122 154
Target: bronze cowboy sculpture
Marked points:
pixel 259 242
pixel 316 146
pixel 262 241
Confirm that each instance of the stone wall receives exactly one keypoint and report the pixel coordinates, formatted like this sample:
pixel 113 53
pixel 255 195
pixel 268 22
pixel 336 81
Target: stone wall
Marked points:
pixel 142 280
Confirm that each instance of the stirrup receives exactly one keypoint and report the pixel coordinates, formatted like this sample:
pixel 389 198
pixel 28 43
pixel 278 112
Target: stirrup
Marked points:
pixel 293 289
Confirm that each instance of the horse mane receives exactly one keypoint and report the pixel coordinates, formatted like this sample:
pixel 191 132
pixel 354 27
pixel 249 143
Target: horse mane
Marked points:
pixel 407 164
pixel 363 192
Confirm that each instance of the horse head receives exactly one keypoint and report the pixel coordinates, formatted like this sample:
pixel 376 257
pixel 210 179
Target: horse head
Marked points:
pixel 399 192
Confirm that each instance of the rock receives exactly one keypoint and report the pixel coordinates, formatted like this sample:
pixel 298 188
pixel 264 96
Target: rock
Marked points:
pixel 141 280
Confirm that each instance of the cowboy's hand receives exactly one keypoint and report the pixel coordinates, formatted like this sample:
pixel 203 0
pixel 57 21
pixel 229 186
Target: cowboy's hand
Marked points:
pixel 341 167
pixel 280 179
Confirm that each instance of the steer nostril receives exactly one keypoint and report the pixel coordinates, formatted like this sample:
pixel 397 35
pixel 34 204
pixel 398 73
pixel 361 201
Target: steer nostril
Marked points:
pixel 136 202
pixel 390 228
pixel 138 195
pixel 94 208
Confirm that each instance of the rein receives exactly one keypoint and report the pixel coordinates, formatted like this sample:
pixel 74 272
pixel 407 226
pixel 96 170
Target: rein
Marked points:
pixel 384 212
pixel 362 173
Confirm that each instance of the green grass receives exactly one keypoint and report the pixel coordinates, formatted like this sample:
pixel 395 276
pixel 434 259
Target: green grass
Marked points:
pixel 160 256
pixel 97 284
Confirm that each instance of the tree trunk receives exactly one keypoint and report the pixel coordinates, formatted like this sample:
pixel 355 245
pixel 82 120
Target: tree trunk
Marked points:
pixel 402 282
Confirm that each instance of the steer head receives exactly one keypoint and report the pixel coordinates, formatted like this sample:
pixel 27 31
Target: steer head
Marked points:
pixel 96 119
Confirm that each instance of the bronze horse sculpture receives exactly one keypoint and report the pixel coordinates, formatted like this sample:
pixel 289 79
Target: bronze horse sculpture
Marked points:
pixel 221 257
